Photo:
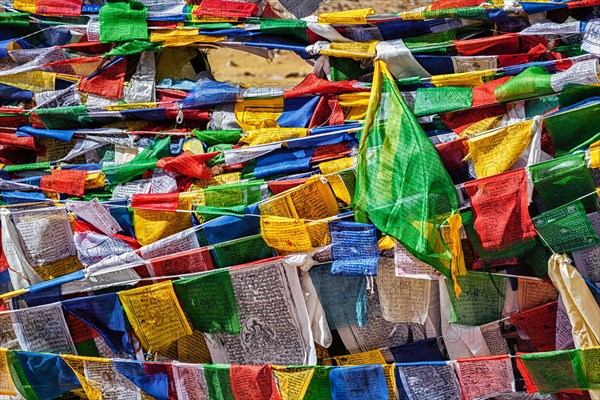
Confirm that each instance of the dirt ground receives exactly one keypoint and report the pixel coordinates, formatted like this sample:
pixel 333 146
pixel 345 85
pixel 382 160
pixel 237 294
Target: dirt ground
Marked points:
pixel 287 69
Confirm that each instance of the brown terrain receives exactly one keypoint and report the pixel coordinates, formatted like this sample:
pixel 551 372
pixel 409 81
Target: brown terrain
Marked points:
pixel 287 69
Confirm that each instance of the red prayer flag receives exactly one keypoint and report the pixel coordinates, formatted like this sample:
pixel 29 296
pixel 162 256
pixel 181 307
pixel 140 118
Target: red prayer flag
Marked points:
pixel 445 4
pixel 452 155
pixel 483 95
pixel 249 382
pixel 67 8
pixel 187 262
pixel 219 8
pixel 312 85
pixel 155 201
pixel 108 83
pixel 489 46
pixel 277 187
pixel 68 181
pixel 458 121
pixel 188 164
pixel 539 324
pixel 328 112
pixel 500 208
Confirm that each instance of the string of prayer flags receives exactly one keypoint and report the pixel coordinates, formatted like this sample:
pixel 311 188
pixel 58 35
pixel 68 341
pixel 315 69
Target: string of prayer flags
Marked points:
pixel 409 213
pixel 354 248
pixel 209 301
pixel 471 371
pixel 566 228
pixel 481 300
pixel 155 314
pixel 500 206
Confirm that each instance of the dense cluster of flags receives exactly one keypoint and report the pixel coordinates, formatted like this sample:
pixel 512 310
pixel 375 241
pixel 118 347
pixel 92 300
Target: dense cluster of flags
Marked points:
pixel 417 219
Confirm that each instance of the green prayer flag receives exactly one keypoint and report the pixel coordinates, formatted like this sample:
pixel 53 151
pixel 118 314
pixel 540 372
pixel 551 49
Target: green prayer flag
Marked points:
pixel 566 228
pixel 27 167
pixel 123 21
pixel 209 301
pixel 292 27
pixel 19 379
pixel 538 259
pixel 564 179
pixel 211 138
pixel 533 82
pixel 64 117
pixel 133 47
pixel 344 69
pixel 554 371
pixel 210 213
pixel 443 99
pixel 573 127
pixel 218 382
pixel 118 174
pixel 14 19
pixel 241 251
pixel 401 183
pixel 159 148
pixel 481 300
pixel 319 386
pixel 234 194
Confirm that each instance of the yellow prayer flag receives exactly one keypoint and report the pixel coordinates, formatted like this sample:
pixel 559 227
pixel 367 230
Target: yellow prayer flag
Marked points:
pixel 25 5
pixel 390 380
pixel 90 387
pixel 582 309
pixel 452 238
pixel 595 154
pixel 319 233
pixel 411 15
pixel 59 268
pixel 346 17
pixel 194 146
pixel 155 314
pixel 7 387
pixel 150 225
pixel 481 126
pixel 354 50
pixel 270 135
pixel 329 167
pixel 462 79
pixel 258 113
pixel 280 205
pixel 94 180
pixel 285 234
pixel 495 152
pixel 34 81
pixel 365 358
pixel 314 200
pixel 292 382
pixel 354 105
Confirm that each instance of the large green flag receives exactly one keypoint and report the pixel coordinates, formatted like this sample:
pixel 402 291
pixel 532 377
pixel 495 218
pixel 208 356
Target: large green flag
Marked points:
pixel 401 183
